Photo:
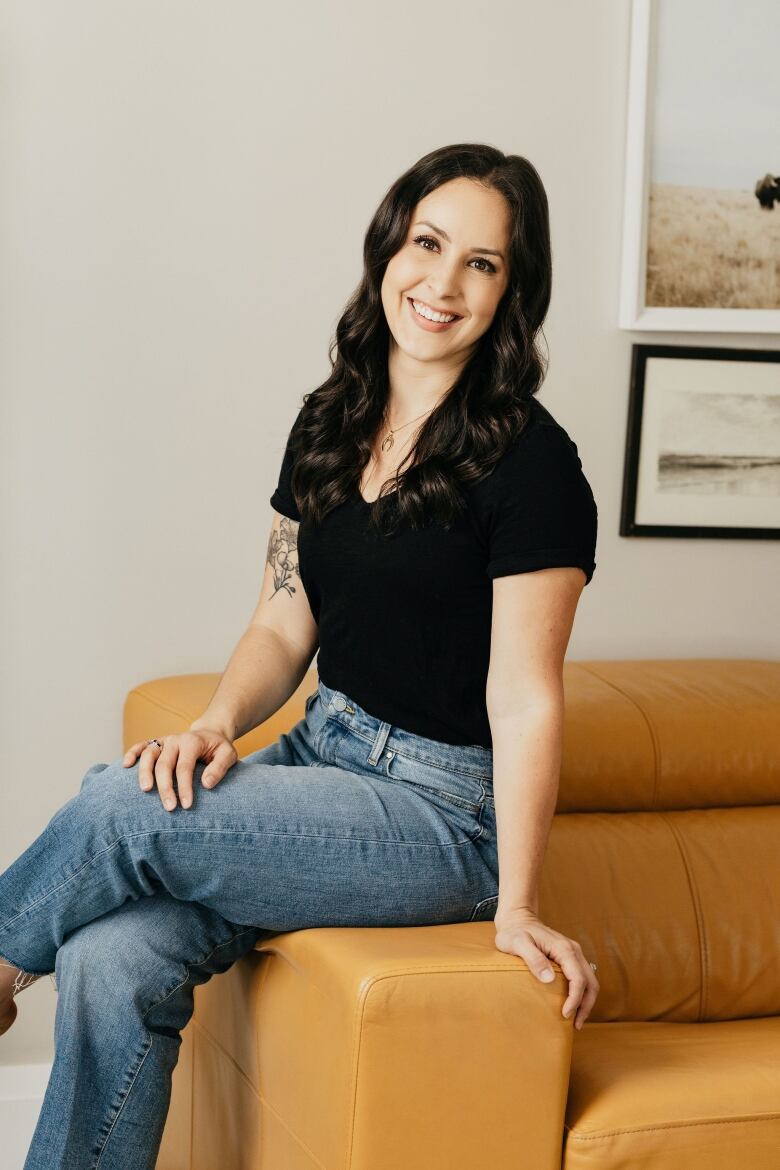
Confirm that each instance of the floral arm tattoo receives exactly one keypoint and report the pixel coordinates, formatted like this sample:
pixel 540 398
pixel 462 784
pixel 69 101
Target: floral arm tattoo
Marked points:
pixel 282 555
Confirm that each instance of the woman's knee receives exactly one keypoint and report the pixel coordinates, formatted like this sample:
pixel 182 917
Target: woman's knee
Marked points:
pixel 125 957
pixel 143 948
pixel 113 775
pixel 101 961
pixel 109 795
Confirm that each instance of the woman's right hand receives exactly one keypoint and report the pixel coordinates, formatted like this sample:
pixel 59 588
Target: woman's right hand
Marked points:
pixel 177 758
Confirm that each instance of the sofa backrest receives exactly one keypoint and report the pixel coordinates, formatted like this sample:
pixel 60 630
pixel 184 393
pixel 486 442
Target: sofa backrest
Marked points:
pixel 664 855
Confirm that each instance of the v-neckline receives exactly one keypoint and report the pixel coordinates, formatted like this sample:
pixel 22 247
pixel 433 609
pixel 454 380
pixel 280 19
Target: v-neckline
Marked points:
pixel 370 503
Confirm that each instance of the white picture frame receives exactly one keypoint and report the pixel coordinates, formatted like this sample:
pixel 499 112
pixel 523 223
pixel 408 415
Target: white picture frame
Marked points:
pixel 634 312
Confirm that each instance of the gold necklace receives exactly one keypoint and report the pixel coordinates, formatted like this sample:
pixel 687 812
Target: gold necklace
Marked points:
pixel 389 438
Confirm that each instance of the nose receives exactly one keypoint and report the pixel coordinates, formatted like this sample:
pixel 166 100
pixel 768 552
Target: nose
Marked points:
pixel 444 282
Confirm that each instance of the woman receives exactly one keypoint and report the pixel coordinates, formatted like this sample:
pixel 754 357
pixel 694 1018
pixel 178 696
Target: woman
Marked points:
pixel 439 521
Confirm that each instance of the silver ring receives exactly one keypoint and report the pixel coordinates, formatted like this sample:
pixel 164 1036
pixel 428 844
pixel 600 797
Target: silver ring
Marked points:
pixel 593 965
pixel 151 741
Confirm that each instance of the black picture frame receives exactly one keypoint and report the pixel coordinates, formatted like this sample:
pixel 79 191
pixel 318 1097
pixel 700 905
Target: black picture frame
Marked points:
pixel 689 470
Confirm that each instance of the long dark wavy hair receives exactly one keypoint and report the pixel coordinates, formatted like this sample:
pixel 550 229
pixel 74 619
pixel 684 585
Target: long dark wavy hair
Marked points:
pixel 487 406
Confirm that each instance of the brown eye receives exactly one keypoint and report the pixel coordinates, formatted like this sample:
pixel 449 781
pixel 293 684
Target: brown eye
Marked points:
pixel 479 259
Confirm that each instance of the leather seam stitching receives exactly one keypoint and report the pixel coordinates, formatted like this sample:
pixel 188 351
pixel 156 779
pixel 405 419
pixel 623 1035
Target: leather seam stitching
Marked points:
pixel 213 1040
pixel 696 902
pixel 260 1096
pixel 157 702
pixel 608 1133
pixel 645 717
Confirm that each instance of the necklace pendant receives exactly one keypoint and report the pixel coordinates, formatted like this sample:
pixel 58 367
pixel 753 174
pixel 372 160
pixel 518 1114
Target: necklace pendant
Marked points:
pixel 388 442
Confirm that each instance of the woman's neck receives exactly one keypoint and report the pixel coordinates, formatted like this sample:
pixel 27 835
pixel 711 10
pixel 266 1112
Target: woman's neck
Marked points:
pixel 416 387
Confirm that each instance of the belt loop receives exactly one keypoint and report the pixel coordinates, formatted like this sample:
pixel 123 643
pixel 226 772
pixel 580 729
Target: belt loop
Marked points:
pixel 379 742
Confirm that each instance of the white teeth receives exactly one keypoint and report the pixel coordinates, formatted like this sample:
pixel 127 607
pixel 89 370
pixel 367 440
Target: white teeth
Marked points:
pixel 429 314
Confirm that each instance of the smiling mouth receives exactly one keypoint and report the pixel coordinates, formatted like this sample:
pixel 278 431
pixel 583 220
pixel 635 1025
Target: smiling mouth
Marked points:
pixel 451 318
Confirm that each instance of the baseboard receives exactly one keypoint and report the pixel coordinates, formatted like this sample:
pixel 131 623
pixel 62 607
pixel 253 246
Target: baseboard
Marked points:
pixel 21 1093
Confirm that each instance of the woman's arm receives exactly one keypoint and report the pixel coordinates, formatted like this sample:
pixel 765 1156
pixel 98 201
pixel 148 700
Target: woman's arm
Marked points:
pixel 526 771
pixel 275 651
pixel 533 615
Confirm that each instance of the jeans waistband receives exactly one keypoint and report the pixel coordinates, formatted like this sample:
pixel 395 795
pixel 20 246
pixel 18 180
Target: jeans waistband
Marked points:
pixel 472 759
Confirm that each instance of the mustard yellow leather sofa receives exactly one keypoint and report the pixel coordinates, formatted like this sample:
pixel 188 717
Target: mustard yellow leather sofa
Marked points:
pixel 425 1047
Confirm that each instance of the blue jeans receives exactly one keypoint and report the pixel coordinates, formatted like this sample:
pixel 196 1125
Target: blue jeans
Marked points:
pixel 343 821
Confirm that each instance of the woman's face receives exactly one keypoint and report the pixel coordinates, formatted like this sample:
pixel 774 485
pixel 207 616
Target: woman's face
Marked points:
pixel 455 260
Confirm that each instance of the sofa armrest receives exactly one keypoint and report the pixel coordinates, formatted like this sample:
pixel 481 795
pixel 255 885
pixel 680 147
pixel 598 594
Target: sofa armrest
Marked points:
pixel 364 1047
pixel 376 1048
pixel 164 706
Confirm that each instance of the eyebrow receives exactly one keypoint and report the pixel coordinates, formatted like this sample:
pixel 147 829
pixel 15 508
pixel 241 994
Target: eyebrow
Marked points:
pixel 490 251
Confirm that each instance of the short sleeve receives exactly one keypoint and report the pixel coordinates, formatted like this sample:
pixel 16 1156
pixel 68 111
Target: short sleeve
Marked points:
pixel 282 498
pixel 542 510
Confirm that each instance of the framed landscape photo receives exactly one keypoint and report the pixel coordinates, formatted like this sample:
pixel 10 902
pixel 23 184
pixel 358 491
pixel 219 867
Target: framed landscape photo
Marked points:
pixel 701 211
pixel 702 454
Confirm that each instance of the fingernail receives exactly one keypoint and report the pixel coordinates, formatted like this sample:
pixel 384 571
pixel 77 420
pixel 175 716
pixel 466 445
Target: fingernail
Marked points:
pixel 186 803
pixel 547 975
pixel 567 1012
pixel 170 802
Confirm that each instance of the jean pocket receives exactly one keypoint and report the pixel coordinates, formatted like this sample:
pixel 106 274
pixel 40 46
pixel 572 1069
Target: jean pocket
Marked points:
pixel 436 781
pixel 485 910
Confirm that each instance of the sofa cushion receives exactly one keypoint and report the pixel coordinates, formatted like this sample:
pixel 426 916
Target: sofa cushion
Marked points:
pixel 666 1095
pixel 679 909
pixel 670 733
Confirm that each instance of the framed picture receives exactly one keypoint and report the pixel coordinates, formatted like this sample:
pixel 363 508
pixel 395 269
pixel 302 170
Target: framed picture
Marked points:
pixel 702 443
pixel 701 212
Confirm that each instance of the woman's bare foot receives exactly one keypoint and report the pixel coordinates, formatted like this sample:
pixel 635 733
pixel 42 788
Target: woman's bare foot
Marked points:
pixel 7 1015
pixel 12 981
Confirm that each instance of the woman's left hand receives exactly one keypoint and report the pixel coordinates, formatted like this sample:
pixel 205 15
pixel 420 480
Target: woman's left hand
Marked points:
pixel 520 932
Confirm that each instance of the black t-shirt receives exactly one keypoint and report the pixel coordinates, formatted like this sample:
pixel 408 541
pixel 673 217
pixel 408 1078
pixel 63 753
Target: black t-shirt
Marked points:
pixel 404 622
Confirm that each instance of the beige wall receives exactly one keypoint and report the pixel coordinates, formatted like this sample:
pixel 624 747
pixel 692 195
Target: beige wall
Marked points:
pixel 185 189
